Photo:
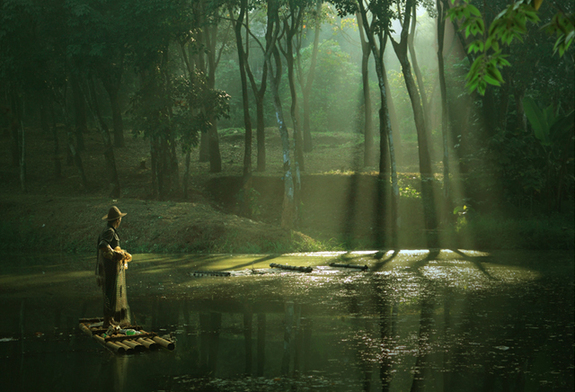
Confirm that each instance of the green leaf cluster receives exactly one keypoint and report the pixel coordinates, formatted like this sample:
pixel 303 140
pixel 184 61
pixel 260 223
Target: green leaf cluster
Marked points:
pixel 508 26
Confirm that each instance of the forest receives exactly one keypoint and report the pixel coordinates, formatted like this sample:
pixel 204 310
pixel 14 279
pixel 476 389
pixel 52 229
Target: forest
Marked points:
pixel 347 124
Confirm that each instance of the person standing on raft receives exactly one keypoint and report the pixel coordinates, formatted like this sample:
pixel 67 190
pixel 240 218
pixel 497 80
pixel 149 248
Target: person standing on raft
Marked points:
pixel 110 271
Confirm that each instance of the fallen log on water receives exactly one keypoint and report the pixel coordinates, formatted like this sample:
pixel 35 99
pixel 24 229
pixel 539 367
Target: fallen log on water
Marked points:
pixel 291 267
pixel 354 266
pixel 210 273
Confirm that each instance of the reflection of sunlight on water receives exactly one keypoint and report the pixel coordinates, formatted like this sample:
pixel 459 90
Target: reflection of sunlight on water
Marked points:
pixel 465 274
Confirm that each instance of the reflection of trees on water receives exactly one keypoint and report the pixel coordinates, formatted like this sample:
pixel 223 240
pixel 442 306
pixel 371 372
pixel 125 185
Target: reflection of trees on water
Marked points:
pixel 210 328
pixel 233 338
pixel 388 331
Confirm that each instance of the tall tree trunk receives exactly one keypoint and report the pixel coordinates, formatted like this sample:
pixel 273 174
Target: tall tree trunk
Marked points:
pixel 75 155
pixel 292 27
pixel 155 166
pixel 259 94
pixel 442 8
pixel 79 113
pixel 260 135
pixel 112 86
pixel 386 151
pixel 391 166
pixel 200 61
pixel 423 147
pixel 306 89
pixel 204 155
pixel 418 75
pixel 247 119
pixel 14 121
pixel 18 136
pixel 107 141
pixel 57 153
pixel 207 63
pixel 369 149
pixel 169 157
pixel 420 125
pixel 186 179
pixel 289 207
pixel 214 143
pixel 173 164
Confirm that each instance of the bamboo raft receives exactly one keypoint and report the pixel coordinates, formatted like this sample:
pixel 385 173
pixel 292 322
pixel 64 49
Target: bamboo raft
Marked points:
pixel 121 343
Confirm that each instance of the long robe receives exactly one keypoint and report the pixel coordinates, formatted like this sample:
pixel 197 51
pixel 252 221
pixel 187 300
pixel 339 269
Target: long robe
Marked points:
pixel 112 276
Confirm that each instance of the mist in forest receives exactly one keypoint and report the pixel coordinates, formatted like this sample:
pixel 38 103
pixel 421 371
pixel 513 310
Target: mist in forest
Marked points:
pixel 443 109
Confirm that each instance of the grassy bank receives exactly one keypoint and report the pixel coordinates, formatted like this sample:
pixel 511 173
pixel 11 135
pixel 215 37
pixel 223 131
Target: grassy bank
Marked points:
pixel 72 224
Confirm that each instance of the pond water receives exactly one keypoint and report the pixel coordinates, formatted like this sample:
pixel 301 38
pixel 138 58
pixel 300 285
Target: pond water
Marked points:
pixel 416 320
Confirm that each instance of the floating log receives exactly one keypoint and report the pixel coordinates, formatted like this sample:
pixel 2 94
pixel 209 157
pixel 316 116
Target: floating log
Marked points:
pixel 354 266
pixel 129 350
pixel 164 343
pixel 85 329
pixel 136 346
pixel 291 267
pixel 210 273
pixel 115 347
pixel 149 344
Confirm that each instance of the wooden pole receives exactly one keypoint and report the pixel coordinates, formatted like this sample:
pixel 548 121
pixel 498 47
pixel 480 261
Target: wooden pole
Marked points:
pixel 129 350
pixel 134 345
pixel 148 343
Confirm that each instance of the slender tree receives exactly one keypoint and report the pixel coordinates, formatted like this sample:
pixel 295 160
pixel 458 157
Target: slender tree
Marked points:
pixel 106 140
pixel 245 103
pixel 375 32
pixel 306 81
pixel 208 18
pixel 369 150
pixel 259 93
pixel 401 50
pixel 292 21
pixel 442 7
pixel 274 63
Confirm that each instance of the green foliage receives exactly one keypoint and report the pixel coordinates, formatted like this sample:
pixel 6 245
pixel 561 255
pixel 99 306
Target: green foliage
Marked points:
pixel 409 192
pixel 336 88
pixel 563 27
pixel 508 26
pixel 550 126
pixel 178 107
pixel 497 232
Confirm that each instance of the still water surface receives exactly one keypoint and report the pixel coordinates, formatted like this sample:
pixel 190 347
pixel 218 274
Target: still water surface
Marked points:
pixel 417 320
